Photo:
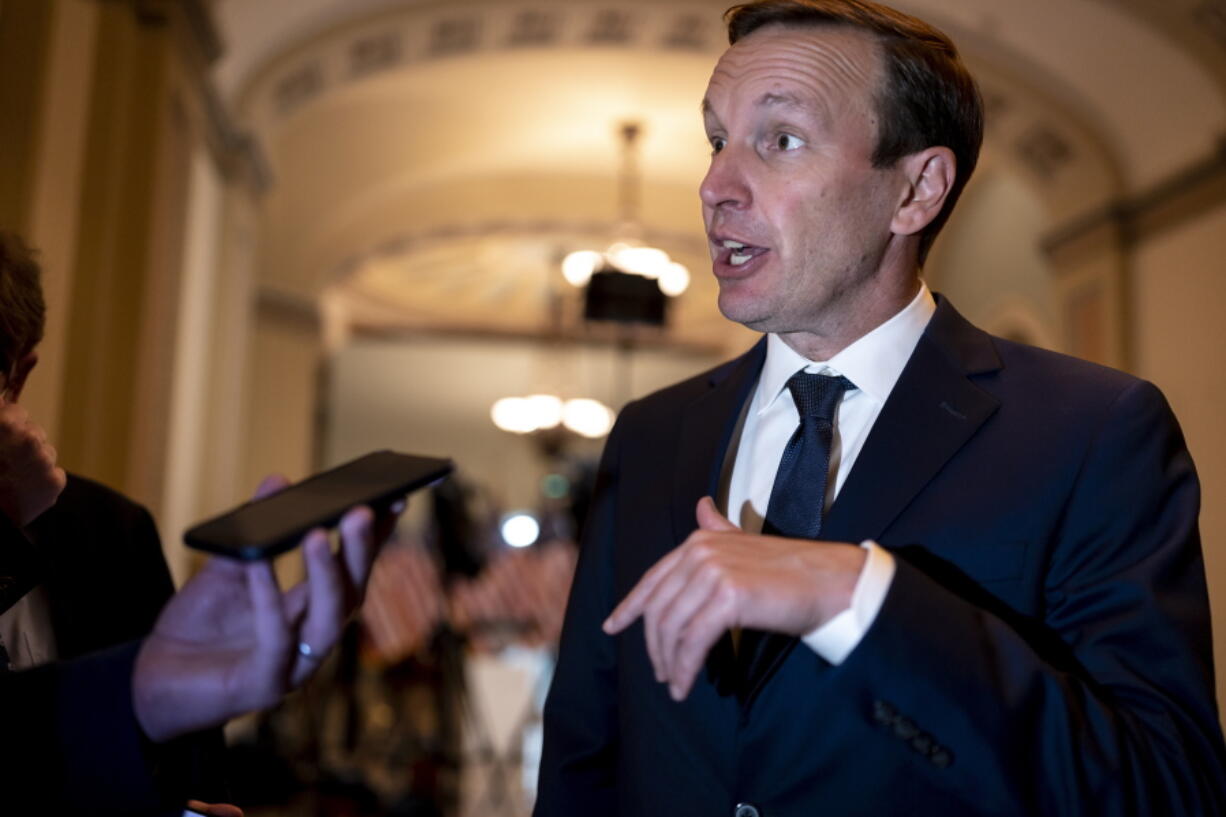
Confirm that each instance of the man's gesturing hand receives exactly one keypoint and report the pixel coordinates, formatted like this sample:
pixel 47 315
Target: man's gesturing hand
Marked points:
pixel 721 578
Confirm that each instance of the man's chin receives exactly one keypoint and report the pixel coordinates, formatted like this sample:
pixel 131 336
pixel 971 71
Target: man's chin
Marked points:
pixel 748 314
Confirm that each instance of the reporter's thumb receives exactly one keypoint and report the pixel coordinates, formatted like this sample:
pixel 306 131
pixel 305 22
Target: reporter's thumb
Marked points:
pixel 709 517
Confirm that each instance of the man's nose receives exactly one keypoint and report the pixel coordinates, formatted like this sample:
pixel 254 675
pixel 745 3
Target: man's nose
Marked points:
pixel 726 184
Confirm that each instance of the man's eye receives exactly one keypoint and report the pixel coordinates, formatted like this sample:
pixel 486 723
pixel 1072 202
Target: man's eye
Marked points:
pixel 786 141
pixel 717 143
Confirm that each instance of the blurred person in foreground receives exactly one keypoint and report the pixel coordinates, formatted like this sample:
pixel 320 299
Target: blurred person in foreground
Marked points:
pixel 70 559
pixel 883 563
pixel 83 571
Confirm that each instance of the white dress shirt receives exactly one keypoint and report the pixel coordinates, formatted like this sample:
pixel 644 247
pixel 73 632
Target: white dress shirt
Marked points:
pixel 873 364
pixel 26 631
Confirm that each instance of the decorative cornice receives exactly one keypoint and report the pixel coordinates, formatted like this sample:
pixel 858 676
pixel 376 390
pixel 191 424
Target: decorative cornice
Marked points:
pixel 1182 197
pixel 419 34
pixel 239 153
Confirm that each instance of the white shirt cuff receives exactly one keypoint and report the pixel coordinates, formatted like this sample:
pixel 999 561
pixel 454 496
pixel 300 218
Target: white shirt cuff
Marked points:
pixel 835 639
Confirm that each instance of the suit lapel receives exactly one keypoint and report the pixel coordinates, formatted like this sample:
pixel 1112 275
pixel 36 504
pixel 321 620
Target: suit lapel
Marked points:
pixel 710 419
pixel 932 412
pixel 706 430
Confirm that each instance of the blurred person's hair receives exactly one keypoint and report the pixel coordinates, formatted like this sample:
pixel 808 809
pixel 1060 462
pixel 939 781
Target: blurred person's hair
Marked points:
pixel 928 98
pixel 22 311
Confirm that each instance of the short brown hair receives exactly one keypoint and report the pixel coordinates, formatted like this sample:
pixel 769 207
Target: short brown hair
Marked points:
pixel 928 97
pixel 22 311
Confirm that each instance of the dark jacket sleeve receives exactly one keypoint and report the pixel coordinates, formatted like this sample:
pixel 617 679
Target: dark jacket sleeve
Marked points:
pixel 72 744
pixel 578 764
pixel 107 584
pixel 1108 708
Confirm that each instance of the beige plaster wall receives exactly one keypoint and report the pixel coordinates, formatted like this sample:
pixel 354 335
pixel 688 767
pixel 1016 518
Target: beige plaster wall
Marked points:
pixel 281 399
pixel 988 262
pixel 1180 343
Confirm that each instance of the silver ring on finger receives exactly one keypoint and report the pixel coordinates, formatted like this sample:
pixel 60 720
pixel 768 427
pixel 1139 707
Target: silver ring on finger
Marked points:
pixel 308 652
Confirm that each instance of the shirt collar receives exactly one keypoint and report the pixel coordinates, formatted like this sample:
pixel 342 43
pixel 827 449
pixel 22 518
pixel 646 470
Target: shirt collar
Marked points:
pixel 874 362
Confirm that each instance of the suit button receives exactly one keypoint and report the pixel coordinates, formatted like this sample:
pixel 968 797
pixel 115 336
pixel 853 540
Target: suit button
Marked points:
pixel 883 713
pixel 941 758
pixel 905 728
pixel 745 810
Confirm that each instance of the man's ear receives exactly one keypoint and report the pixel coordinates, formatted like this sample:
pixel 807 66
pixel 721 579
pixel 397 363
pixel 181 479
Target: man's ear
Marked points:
pixel 21 371
pixel 930 174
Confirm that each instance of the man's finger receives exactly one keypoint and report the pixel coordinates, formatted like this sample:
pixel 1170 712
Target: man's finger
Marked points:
pixel 270 484
pixel 673 620
pixel 357 550
pixel 695 641
pixel 631 606
pixel 386 519
pixel 294 602
pixel 709 517
pixel 325 606
pixel 272 634
pixel 659 599
pixel 215 809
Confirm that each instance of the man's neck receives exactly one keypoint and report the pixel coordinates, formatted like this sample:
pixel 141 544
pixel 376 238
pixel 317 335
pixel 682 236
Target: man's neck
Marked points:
pixel 853 321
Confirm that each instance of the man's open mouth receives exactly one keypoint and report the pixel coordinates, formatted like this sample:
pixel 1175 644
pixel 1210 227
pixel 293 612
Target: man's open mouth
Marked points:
pixel 736 253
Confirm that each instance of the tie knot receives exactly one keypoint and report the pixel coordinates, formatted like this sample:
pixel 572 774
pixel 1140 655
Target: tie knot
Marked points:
pixel 817 395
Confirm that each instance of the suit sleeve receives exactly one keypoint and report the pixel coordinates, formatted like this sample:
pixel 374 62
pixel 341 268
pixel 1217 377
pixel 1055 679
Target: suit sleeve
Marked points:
pixel 192 765
pixel 72 743
pixel 578 761
pixel 1108 707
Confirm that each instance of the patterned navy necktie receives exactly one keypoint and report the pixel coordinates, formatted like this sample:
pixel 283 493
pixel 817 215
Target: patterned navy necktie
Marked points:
pixel 798 496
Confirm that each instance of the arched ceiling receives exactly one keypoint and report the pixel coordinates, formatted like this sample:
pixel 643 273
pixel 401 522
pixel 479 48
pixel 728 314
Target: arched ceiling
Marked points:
pixel 404 134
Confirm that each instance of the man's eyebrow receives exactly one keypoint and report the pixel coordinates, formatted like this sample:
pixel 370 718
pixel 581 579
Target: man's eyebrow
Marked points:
pixel 786 100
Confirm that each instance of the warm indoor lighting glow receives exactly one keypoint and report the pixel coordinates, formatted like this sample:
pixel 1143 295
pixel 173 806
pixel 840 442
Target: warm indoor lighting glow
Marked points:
pixel 546 410
pixel 537 412
pixel 520 529
pixel 646 261
pixel 513 414
pixel 589 418
pixel 577 268
pixel 674 280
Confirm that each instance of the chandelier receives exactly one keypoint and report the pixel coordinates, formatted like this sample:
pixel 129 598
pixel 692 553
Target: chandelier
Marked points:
pixel 627 254
pixel 617 286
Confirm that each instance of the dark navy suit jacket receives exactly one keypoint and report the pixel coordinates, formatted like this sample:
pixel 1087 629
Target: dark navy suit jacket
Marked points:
pixel 1044 648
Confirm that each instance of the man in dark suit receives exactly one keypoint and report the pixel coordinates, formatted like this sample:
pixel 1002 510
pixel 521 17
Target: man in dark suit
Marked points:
pixel 942 573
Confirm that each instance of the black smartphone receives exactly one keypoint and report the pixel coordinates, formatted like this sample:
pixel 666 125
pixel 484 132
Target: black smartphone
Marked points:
pixel 265 527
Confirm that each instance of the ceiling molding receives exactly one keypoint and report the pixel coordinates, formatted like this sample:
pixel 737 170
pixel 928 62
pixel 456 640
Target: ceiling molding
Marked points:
pixel 421 34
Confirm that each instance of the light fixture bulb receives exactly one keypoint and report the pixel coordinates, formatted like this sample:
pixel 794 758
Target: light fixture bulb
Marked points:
pixel 520 529
pixel 513 414
pixel 546 410
pixel 577 267
pixel 675 280
pixel 588 418
pixel 646 261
